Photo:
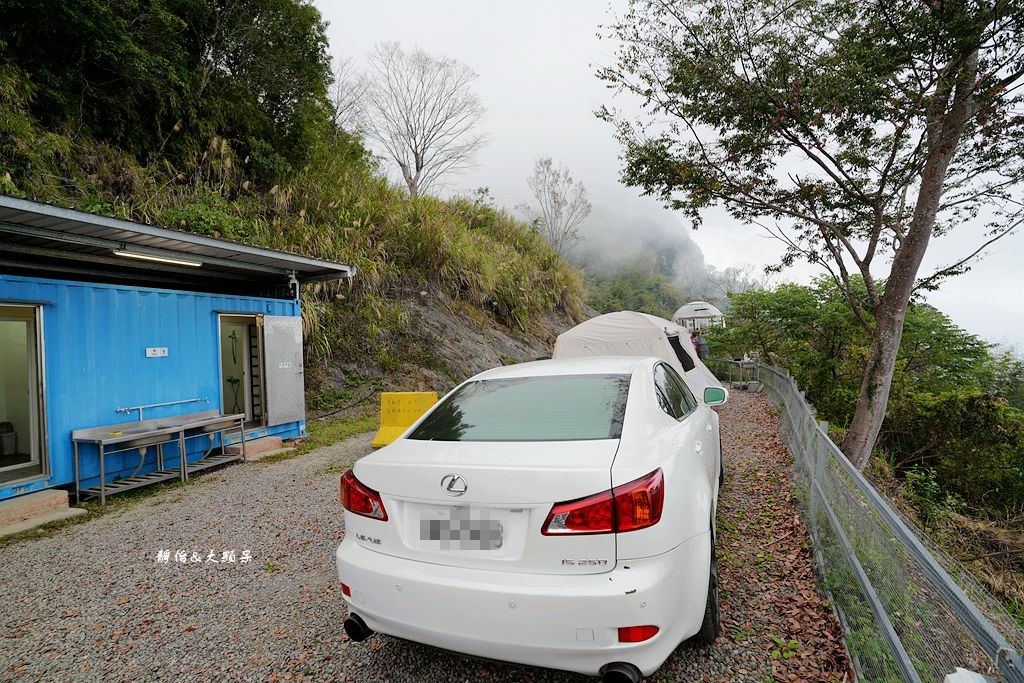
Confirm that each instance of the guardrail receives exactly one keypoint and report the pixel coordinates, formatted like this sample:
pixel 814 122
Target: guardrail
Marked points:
pixel 910 611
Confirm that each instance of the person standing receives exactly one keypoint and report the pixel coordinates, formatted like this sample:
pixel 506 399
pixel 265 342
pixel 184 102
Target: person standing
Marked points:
pixel 701 345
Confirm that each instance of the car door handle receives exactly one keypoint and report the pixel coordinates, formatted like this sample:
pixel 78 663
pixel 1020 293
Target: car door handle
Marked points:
pixel 709 428
pixel 698 447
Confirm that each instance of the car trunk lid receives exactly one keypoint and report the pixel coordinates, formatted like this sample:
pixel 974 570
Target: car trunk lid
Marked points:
pixel 483 504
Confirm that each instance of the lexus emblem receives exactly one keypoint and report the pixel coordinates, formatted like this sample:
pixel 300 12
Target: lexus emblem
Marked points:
pixel 453 485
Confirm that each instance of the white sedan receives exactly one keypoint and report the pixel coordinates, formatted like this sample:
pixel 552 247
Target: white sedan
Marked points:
pixel 559 513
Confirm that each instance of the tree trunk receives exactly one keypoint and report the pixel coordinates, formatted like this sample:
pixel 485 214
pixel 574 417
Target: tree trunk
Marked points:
pixel 945 128
pixel 410 180
pixel 874 388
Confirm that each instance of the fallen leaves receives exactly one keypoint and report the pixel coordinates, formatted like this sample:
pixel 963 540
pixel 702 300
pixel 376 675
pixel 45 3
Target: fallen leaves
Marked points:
pixel 768 547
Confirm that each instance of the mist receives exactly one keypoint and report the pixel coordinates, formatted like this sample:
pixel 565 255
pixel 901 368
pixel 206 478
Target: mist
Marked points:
pixel 656 241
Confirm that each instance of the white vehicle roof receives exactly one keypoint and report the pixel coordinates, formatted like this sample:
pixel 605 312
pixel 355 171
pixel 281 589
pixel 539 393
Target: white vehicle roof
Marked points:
pixel 628 333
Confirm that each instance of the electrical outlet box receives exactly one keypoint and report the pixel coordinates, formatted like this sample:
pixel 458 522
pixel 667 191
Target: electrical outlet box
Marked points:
pixel 156 352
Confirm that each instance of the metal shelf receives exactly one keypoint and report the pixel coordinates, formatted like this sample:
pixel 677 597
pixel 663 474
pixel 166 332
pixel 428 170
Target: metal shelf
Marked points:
pixel 129 483
pixel 211 461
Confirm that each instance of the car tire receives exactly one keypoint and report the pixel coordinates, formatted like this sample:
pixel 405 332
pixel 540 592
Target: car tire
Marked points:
pixel 710 628
pixel 721 465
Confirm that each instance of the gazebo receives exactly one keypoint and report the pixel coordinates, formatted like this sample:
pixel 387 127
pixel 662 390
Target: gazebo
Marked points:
pixel 697 315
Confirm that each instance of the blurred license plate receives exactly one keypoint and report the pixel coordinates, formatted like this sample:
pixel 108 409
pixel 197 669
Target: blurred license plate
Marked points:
pixel 463 530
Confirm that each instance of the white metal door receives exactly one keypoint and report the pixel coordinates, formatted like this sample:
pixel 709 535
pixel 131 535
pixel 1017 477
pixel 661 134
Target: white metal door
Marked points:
pixel 285 386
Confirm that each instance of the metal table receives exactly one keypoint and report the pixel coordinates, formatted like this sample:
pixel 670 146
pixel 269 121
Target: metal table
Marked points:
pixel 155 432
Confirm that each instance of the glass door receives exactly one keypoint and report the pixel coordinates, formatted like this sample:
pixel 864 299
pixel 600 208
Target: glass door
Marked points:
pixel 21 440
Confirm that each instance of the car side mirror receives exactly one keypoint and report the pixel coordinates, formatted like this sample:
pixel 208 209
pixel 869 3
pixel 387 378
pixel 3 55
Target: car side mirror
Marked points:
pixel 715 396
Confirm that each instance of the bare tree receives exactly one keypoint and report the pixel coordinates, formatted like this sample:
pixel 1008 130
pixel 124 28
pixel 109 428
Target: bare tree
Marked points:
pixel 562 204
pixel 348 98
pixel 735 279
pixel 423 113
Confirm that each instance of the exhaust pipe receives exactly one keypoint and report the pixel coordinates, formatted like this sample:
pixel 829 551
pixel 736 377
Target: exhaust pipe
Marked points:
pixel 620 672
pixel 357 629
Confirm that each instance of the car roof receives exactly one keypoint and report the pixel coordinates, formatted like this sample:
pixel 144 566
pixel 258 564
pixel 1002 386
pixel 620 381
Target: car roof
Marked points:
pixel 586 365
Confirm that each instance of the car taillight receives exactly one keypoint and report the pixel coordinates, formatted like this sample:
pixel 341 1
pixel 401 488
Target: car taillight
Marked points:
pixel 632 506
pixel 638 504
pixel 590 515
pixel 356 497
pixel 636 634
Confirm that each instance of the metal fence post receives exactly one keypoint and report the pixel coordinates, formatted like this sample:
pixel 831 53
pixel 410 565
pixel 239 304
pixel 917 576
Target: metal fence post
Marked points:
pixel 815 469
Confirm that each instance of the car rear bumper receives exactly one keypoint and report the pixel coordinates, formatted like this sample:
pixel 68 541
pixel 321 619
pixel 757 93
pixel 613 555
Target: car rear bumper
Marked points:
pixel 553 621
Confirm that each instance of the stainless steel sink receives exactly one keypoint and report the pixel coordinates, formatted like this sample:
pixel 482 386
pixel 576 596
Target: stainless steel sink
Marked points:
pixel 144 429
pixel 136 430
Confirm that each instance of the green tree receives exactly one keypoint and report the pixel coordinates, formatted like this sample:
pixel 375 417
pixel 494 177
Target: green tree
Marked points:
pixel 1004 375
pixel 24 146
pixel 808 329
pixel 856 131
pixel 972 442
pixel 113 69
pixel 812 331
pixel 935 355
pixel 165 76
pixel 636 288
pixel 261 73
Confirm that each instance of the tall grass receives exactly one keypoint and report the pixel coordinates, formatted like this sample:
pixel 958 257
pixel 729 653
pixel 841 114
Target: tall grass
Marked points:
pixel 338 210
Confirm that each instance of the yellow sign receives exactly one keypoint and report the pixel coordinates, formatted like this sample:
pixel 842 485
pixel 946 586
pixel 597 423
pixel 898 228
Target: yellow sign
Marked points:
pixel 398 410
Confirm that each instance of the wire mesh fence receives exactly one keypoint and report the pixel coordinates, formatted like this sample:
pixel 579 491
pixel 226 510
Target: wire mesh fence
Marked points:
pixel 910 612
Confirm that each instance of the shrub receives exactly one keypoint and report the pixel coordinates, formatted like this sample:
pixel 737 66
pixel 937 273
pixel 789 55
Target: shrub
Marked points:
pixel 972 443
pixel 205 214
pixel 924 492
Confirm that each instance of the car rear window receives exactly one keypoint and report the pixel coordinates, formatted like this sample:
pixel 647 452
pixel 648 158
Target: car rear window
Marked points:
pixel 559 408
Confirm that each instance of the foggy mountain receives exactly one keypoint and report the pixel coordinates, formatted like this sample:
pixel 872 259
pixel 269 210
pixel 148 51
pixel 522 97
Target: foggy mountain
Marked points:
pixel 656 243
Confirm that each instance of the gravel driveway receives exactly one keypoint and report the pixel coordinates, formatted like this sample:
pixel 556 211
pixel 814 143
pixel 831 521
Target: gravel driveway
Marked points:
pixel 100 601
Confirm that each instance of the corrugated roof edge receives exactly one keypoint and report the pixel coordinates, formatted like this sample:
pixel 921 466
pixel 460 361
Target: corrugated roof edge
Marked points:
pixel 49 210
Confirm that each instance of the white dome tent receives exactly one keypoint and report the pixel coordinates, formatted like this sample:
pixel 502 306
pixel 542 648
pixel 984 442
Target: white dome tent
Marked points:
pixel 628 333
pixel 697 315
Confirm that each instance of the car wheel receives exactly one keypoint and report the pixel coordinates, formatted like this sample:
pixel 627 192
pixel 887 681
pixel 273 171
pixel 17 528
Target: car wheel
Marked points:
pixel 710 628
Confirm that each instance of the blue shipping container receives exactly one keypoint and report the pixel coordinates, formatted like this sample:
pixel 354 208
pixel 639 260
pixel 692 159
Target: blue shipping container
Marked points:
pixel 93 356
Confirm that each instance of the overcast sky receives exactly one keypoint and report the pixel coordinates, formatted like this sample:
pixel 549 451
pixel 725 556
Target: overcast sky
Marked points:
pixel 536 62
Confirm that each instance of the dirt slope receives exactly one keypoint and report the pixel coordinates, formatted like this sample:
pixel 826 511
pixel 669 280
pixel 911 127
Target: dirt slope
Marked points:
pixel 439 344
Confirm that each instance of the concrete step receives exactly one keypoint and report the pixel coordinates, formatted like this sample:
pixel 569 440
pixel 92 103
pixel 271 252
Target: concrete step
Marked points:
pixel 256 447
pixel 34 509
pixel 32 504
pixel 46 518
pixel 265 454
